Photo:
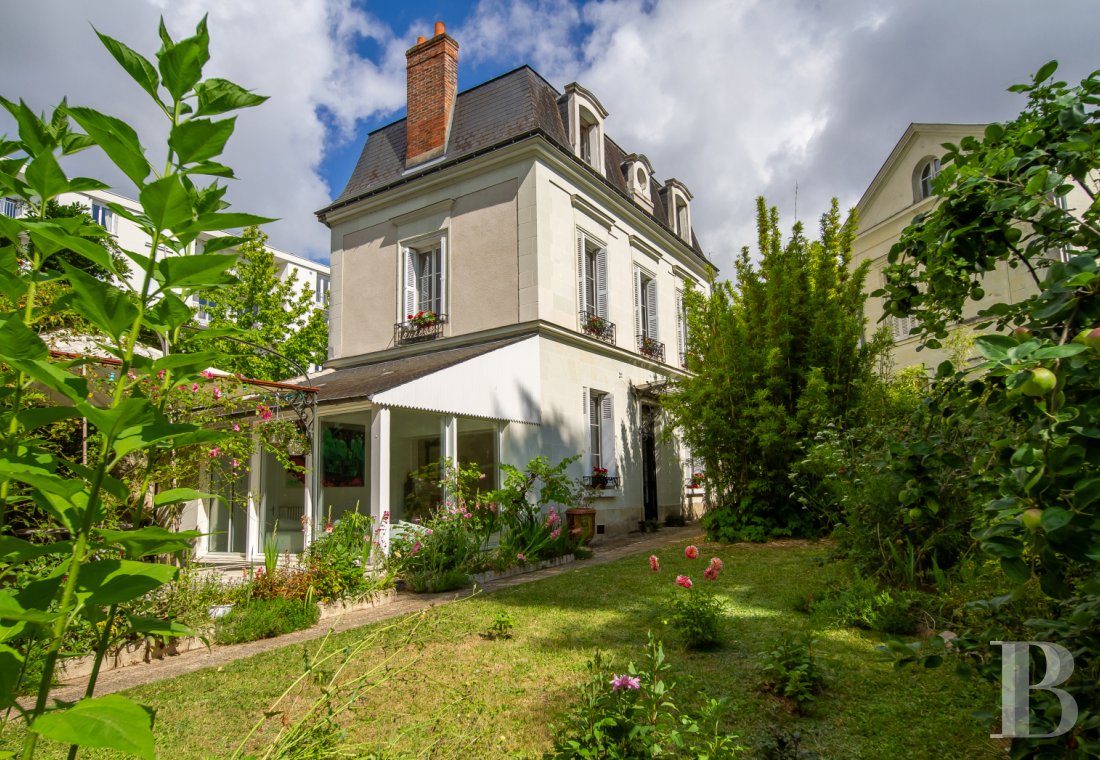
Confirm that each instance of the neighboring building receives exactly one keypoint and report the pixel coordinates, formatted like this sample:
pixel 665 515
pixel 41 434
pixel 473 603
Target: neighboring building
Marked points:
pixel 507 284
pixel 311 275
pixel 900 191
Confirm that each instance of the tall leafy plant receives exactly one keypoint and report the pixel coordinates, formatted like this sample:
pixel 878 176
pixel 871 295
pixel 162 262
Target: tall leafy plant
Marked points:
pixel 774 357
pixel 94 568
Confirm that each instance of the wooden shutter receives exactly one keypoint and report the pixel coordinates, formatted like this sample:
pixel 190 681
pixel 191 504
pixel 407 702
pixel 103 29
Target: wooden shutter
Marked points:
pixel 651 317
pixel 410 284
pixel 637 305
pixel 607 435
pixel 681 343
pixel 581 305
pixel 442 264
pixel 601 283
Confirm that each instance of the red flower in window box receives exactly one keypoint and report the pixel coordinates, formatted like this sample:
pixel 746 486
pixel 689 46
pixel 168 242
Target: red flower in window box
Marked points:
pixel 423 319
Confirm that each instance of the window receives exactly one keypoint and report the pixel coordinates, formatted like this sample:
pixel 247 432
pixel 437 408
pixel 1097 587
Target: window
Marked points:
pixel 12 207
pixel 928 172
pixel 645 315
pixel 592 276
pixel 425 280
pixel 103 216
pixel 321 290
pixel 600 434
pixel 683 226
pixel 202 311
pixel 678 205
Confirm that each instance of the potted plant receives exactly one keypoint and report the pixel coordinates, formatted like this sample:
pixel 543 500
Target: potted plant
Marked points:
pixel 599 477
pixel 422 319
pixel 594 324
pixel 696 480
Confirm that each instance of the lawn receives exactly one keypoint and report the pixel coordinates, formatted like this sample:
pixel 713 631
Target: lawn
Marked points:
pixel 444 689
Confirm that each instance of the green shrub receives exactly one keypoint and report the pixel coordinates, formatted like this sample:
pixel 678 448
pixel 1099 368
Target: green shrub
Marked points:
pixel 697 615
pixel 633 714
pixel 264 619
pixel 789 671
pixel 435 581
pixel 337 560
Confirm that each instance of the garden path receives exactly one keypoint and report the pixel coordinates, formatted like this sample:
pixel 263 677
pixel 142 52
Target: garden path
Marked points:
pixel 406 602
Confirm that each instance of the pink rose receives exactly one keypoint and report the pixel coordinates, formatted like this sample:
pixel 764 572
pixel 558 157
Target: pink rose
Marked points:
pixel 692 552
pixel 683 580
pixel 654 563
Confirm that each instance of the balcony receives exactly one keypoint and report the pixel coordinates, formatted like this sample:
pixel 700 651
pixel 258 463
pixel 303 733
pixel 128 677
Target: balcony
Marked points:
pixel 598 327
pixel 419 329
pixel 651 348
pixel 12 207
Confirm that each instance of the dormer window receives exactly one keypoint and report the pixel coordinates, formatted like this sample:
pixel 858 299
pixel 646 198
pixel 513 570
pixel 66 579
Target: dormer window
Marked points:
pixel 926 172
pixel 679 209
pixel 637 171
pixel 586 117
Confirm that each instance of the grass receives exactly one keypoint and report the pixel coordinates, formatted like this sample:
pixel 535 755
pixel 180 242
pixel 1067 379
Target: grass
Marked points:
pixel 442 688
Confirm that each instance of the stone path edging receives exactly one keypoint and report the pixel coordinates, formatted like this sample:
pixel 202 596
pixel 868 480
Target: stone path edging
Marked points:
pixel 403 603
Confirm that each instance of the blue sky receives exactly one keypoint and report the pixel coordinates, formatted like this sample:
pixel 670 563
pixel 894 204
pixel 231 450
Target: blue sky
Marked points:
pixel 734 98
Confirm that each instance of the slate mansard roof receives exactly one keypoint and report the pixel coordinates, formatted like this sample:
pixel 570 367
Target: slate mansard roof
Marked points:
pixel 514 106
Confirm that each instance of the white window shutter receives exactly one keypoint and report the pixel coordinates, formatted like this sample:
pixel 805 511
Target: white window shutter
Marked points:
pixel 601 283
pixel 585 421
pixel 637 304
pixel 681 342
pixel 651 317
pixel 581 305
pixel 442 275
pixel 410 284
pixel 607 435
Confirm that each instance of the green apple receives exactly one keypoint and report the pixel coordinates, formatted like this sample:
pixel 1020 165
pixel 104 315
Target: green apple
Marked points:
pixel 1040 383
pixel 1032 519
pixel 1021 333
pixel 914 513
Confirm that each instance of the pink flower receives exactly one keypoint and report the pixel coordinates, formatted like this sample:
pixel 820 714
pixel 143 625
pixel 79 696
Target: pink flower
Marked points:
pixel 574 532
pixel 555 533
pixel 711 573
pixel 692 552
pixel 194 387
pixel 716 563
pixel 520 558
pixel 467 514
pixel 386 516
pixel 207 374
pixel 625 682
pixel 264 412
pixel 217 394
pixel 234 463
pixel 654 563
pixel 416 547
pixel 328 527
pixel 215 452
pixel 236 428
pixel 160 374
pixel 683 580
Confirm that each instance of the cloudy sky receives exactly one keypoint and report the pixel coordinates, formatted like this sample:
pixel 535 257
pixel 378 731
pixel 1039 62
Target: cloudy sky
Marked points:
pixel 735 98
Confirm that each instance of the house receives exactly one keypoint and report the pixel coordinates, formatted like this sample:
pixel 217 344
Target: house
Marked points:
pixel 506 283
pixel 900 191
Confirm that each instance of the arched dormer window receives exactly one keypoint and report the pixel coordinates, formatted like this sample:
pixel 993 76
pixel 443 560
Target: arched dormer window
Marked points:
pixel 922 178
pixel 679 209
pixel 586 117
pixel 637 172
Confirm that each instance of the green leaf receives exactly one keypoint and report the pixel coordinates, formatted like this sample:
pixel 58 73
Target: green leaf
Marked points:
pixel 1045 71
pixel 101 303
pixel 1059 352
pixel 51 237
pixel 45 177
pixel 181 64
pixel 33 418
pixel 135 64
pixel 113 722
pixel 11 609
pixel 148 541
pixel 220 95
pixel 1055 518
pixel 176 495
pixel 11 670
pixel 15 550
pixel 167 203
pixel 32 131
pixel 151 626
pixel 222 242
pixel 212 169
pixel 197 271
pixel 994 347
pixel 117 139
pixel 17 341
pixel 53 377
pixel 169 313
pixel 1016 569
pixel 113 581
pixel 200 139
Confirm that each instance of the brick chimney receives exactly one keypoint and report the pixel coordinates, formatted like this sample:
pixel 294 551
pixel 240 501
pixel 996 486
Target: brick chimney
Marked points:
pixel 432 86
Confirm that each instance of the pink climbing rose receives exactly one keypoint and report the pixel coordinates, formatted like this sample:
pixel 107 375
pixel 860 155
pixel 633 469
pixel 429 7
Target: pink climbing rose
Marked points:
pixel 683 580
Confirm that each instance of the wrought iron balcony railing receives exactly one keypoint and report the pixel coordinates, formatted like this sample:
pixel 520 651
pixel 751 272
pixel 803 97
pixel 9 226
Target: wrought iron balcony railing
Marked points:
pixel 601 481
pixel 598 327
pixel 418 330
pixel 651 348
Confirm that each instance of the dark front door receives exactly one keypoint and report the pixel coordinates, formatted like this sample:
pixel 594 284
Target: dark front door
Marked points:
pixel 649 464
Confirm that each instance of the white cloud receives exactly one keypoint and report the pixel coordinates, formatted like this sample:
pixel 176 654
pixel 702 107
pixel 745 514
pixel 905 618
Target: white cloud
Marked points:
pixel 301 53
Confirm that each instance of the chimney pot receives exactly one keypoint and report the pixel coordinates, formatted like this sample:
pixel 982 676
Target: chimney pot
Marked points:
pixel 432 72
pixel 440 28
pixel 421 39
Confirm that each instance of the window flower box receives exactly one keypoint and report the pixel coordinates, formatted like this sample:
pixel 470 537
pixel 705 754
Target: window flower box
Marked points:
pixel 418 327
pixel 600 328
pixel 651 348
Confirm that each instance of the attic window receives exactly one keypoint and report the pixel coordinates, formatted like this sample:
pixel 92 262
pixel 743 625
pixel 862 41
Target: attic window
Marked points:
pixel 928 171
pixel 637 172
pixel 683 226
pixel 679 210
pixel 590 140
